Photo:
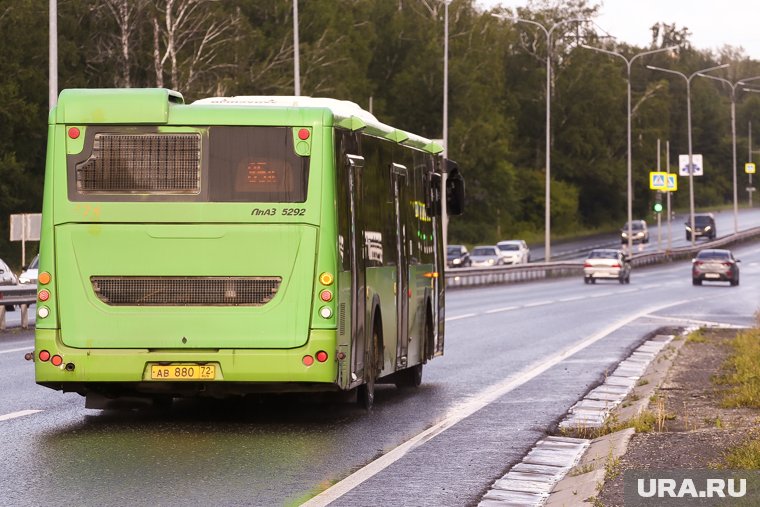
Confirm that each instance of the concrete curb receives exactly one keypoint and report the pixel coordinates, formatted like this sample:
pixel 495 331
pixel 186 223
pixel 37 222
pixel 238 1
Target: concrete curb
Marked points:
pixel 599 462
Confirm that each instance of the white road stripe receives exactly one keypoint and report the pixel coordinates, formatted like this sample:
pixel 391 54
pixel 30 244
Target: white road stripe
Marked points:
pixel 575 298
pixel 700 322
pixel 538 303
pixel 20 413
pixel 465 316
pixel 505 309
pixel 8 351
pixel 465 409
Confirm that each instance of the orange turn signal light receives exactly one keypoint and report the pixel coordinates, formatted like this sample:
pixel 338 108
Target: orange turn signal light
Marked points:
pixel 326 278
pixel 44 278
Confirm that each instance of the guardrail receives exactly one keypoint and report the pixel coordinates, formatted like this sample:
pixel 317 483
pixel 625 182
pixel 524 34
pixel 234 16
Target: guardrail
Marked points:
pixel 467 277
pixel 21 295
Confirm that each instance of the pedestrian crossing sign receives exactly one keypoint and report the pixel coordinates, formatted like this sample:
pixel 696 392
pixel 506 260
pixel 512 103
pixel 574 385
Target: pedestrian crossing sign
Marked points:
pixel 671 182
pixel 658 180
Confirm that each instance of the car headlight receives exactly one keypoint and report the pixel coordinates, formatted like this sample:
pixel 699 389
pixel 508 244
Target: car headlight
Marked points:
pixel 490 261
pixel 23 279
pixel 688 228
pixel 457 261
pixel 707 228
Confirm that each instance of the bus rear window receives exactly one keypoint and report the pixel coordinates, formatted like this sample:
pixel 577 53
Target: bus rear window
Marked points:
pixel 228 164
pixel 256 164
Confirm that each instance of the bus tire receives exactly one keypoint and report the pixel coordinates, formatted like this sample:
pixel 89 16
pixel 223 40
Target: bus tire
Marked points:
pixel 409 377
pixel 366 392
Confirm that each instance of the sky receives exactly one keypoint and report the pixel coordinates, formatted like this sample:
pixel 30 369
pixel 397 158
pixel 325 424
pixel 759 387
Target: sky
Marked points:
pixel 712 23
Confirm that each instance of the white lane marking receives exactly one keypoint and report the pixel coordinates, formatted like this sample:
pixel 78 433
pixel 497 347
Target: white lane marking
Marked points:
pixel 465 316
pixel 701 322
pixel 8 351
pixel 20 413
pixel 505 309
pixel 467 408
pixel 575 298
pixel 537 303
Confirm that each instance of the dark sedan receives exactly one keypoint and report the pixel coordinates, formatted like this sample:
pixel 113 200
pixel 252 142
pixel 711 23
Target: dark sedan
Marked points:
pixel 457 256
pixel 715 265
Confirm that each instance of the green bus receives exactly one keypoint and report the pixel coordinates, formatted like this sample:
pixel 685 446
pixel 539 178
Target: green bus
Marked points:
pixel 237 245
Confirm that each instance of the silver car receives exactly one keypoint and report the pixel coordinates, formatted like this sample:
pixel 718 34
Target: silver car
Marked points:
pixel 715 265
pixel 7 277
pixel 606 263
pixel 485 257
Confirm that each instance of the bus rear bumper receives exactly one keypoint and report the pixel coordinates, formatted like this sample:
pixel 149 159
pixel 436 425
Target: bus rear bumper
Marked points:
pixel 235 371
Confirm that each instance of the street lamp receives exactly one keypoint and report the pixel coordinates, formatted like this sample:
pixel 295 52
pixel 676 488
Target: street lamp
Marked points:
pixel 688 121
pixel 628 63
pixel 733 134
pixel 548 33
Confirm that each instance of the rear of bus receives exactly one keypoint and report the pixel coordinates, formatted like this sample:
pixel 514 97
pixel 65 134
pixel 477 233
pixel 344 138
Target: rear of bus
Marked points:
pixel 186 249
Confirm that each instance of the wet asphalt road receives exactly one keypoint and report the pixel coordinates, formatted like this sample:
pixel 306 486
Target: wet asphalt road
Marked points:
pixel 283 450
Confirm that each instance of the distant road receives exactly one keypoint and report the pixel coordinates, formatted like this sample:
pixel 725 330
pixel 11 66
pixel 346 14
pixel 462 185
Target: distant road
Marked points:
pixel 577 249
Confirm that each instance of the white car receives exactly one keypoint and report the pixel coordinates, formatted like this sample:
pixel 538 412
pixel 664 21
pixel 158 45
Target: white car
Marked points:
pixel 607 263
pixel 30 273
pixel 514 251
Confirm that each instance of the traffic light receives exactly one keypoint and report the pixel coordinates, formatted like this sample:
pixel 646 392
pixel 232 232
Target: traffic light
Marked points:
pixel 657 206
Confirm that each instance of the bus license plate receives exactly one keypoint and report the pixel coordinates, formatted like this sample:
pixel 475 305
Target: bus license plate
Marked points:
pixel 183 372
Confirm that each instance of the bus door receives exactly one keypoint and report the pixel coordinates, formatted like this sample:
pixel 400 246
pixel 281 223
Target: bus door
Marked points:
pixel 398 179
pixel 354 166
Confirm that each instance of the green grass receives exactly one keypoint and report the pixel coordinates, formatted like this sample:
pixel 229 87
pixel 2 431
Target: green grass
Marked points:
pixel 745 456
pixel 697 336
pixel 742 371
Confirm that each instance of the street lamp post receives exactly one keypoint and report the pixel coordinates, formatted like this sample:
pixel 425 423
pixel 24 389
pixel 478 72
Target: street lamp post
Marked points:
pixel 53 54
pixel 688 127
pixel 444 174
pixel 733 135
pixel 548 33
pixel 628 63
pixel 296 52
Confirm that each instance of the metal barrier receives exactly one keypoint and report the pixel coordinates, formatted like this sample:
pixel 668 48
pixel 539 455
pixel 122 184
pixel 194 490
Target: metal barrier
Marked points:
pixel 466 277
pixel 22 295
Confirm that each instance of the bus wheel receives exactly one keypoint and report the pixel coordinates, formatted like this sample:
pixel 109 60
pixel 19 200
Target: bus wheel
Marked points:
pixel 366 392
pixel 410 377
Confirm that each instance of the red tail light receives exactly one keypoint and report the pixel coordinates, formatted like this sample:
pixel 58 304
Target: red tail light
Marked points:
pixel 586 264
pixel 56 360
pixel 616 265
pixel 321 356
pixel 44 355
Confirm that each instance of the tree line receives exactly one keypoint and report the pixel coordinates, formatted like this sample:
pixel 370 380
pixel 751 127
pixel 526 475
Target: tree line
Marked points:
pixel 387 56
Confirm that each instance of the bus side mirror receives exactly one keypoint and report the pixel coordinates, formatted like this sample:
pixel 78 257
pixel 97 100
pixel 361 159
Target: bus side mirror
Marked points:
pixel 454 189
pixel 435 195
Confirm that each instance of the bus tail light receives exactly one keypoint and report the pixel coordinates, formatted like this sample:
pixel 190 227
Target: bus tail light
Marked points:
pixel 44 355
pixel 321 356
pixel 326 278
pixel 307 360
pixel 325 312
pixel 56 360
pixel 44 278
pixel 43 295
pixel 326 295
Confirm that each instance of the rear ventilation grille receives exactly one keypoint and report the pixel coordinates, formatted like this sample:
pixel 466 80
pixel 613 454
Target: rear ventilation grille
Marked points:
pixel 185 291
pixel 145 163
pixel 342 319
